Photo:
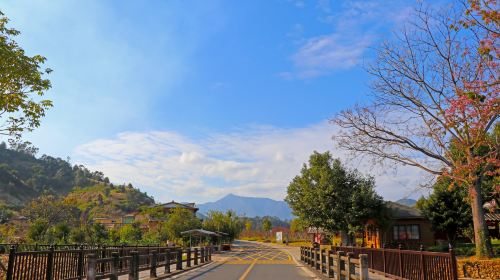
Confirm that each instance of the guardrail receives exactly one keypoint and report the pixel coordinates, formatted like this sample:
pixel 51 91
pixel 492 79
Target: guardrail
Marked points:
pixel 100 263
pixel 336 264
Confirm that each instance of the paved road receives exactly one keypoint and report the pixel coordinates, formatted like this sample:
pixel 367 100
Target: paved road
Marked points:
pixel 250 261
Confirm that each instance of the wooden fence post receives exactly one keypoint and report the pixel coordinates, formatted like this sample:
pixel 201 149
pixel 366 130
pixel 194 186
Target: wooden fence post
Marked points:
pixel 340 265
pixel 453 263
pixel 313 257
pixel 371 257
pixel 80 263
pixel 422 263
pixel 91 267
pixel 349 265
pixel 400 261
pixel 167 260
pixel 383 258
pixel 122 254
pixel 207 253
pixel 321 259
pixel 134 266
pixel 178 264
pixel 195 256
pixel 154 261
pixel 202 255
pixel 103 255
pixel 363 267
pixel 50 264
pixel 10 265
pixel 329 266
pixel 115 263
pixel 210 253
pixel 188 257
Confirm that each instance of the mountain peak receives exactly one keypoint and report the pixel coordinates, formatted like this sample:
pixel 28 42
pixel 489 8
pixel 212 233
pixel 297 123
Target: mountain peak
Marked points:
pixel 407 201
pixel 249 206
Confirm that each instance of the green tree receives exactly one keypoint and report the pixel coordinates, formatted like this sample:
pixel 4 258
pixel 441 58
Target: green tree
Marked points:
pixel 98 234
pixel 180 220
pixel 77 235
pixel 227 222
pixel 114 236
pixel 130 234
pixel 448 208
pixel 329 196
pixel 22 85
pixel 248 225
pixel 297 225
pixel 5 213
pixel 61 233
pixel 52 210
pixel 266 225
pixel 37 230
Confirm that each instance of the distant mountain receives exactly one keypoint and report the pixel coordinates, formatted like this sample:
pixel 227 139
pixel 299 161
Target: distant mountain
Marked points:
pixel 249 206
pixel 407 201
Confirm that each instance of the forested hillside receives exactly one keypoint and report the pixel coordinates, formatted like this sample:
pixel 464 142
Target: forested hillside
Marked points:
pixel 23 177
pixel 106 199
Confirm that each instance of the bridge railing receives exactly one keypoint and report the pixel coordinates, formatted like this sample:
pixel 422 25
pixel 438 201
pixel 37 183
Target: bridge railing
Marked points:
pixel 100 263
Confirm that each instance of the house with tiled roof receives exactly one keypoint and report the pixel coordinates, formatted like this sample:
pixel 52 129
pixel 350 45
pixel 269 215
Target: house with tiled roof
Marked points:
pixel 172 205
pixel 407 226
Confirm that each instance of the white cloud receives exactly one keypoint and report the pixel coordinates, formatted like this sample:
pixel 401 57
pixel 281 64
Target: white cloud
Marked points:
pixel 354 25
pixel 334 51
pixel 254 161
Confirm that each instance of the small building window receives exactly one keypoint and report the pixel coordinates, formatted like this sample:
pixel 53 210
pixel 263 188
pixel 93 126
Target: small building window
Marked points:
pixel 406 232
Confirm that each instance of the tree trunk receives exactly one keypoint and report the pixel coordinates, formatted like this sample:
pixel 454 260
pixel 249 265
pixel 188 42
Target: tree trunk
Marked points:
pixel 481 234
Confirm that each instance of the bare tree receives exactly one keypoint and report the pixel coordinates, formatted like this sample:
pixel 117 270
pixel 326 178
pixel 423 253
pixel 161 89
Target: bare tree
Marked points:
pixel 435 104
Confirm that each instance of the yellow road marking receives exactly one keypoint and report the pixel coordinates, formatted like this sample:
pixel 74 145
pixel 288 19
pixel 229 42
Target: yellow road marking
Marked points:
pixel 262 262
pixel 265 255
pixel 245 274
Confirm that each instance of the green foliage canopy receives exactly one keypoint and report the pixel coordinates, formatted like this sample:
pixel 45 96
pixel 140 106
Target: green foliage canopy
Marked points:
pixel 224 222
pixel 327 195
pixel 179 220
pixel 266 225
pixel 22 84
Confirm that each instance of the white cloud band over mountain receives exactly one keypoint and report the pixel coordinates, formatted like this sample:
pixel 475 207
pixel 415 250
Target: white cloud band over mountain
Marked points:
pixel 252 161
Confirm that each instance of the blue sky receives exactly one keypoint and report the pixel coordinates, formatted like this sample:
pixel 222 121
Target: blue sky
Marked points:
pixel 191 100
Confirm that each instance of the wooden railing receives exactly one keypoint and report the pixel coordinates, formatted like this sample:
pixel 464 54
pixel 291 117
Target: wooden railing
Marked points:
pixel 336 264
pixel 100 263
pixel 407 264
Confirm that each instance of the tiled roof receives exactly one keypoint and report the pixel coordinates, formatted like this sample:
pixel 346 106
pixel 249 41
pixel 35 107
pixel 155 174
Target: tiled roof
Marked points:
pixel 174 204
